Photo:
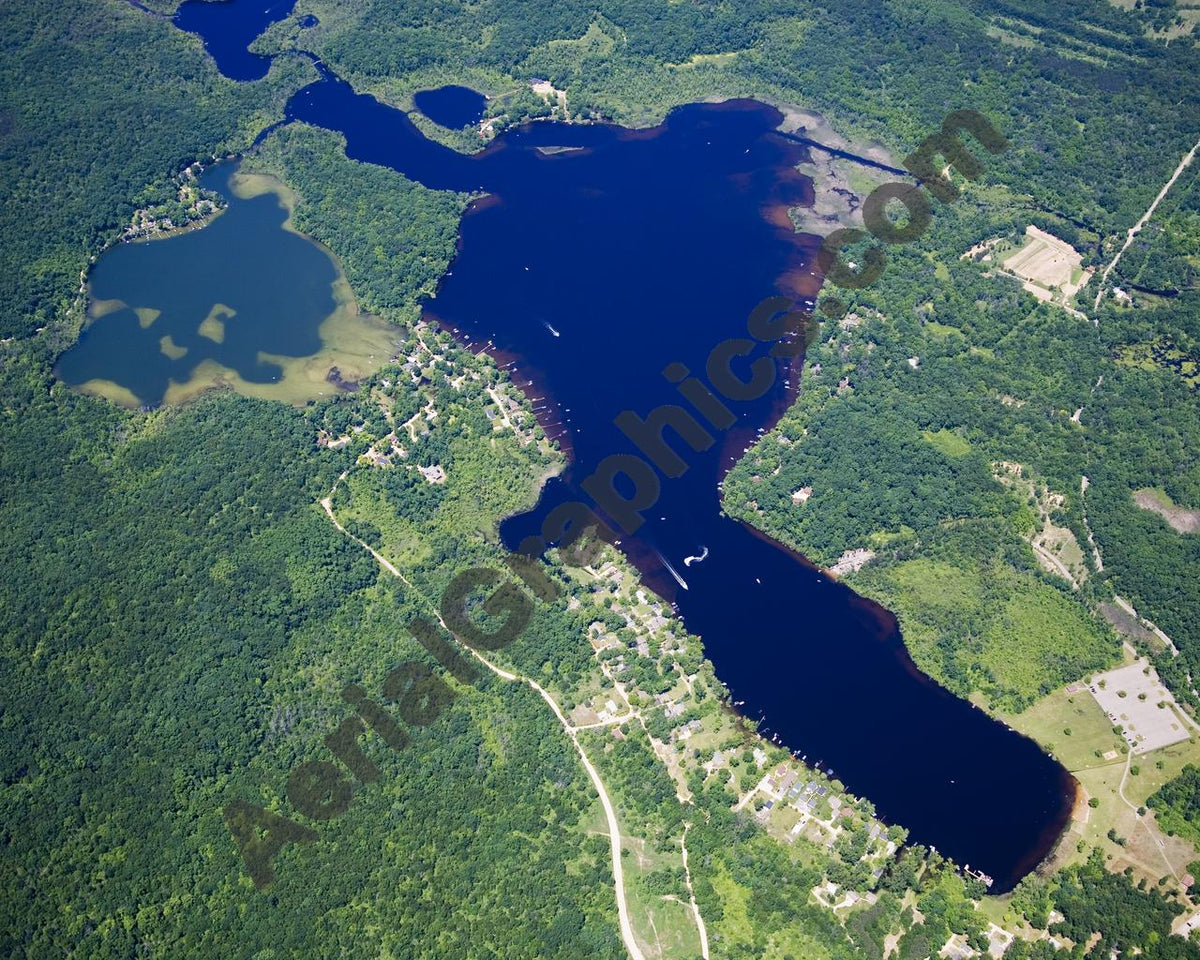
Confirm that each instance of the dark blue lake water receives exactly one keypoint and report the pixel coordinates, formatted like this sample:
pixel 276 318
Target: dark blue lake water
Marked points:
pixel 228 27
pixel 451 106
pixel 594 268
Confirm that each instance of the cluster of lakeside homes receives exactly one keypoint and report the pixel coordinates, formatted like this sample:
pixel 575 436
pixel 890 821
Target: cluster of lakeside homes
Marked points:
pixel 419 365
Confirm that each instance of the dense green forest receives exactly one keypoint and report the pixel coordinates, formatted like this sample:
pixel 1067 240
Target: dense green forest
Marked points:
pixel 1177 804
pixel 102 106
pixel 1130 919
pixel 1163 257
pixel 179 617
pixel 395 237
pixel 179 621
pixel 1147 433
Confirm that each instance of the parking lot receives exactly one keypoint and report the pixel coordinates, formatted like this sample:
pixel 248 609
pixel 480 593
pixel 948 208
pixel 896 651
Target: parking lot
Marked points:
pixel 1141 705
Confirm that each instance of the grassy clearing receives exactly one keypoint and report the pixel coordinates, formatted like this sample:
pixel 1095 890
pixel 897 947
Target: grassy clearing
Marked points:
pixel 402 540
pixel 938 585
pixel 1013 637
pixel 1024 647
pixel 1152 776
pixel 949 442
pixel 735 925
pixel 791 942
pixel 1010 38
pixel 594 42
pixel 1146 848
pixel 659 909
pixel 1091 734
pixel 940 330
pixel 1139 840
pixel 709 59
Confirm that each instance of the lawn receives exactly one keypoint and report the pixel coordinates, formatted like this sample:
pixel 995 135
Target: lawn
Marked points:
pixel 1091 734
pixel 1151 853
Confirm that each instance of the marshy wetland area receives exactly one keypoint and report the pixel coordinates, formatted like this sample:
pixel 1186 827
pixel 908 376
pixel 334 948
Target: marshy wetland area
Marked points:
pixel 241 300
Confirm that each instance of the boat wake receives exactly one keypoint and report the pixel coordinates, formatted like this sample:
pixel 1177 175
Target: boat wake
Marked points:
pixel 672 570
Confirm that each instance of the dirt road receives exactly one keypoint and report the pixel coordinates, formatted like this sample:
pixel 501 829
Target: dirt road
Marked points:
pixel 610 814
pixel 1136 228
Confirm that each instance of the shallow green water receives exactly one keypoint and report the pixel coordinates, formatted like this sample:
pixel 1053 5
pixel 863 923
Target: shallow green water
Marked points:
pixel 243 293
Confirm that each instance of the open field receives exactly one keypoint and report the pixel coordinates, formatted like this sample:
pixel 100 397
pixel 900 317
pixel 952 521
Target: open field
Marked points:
pixel 1072 728
pixel 1049 268
pixel 1146 848
pixel 1187 17
pixel 661 914
pixel 1181 519
pixel 1044 259
pixel 1114 778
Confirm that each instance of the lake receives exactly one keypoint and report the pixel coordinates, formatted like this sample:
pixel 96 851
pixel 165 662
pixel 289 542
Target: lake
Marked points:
pixel 451 106
pixel 593 268
pixel 228 27
pixel 243 301
pixel 603 255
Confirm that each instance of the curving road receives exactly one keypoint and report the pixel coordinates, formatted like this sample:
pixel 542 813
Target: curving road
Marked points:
pixel 614 832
